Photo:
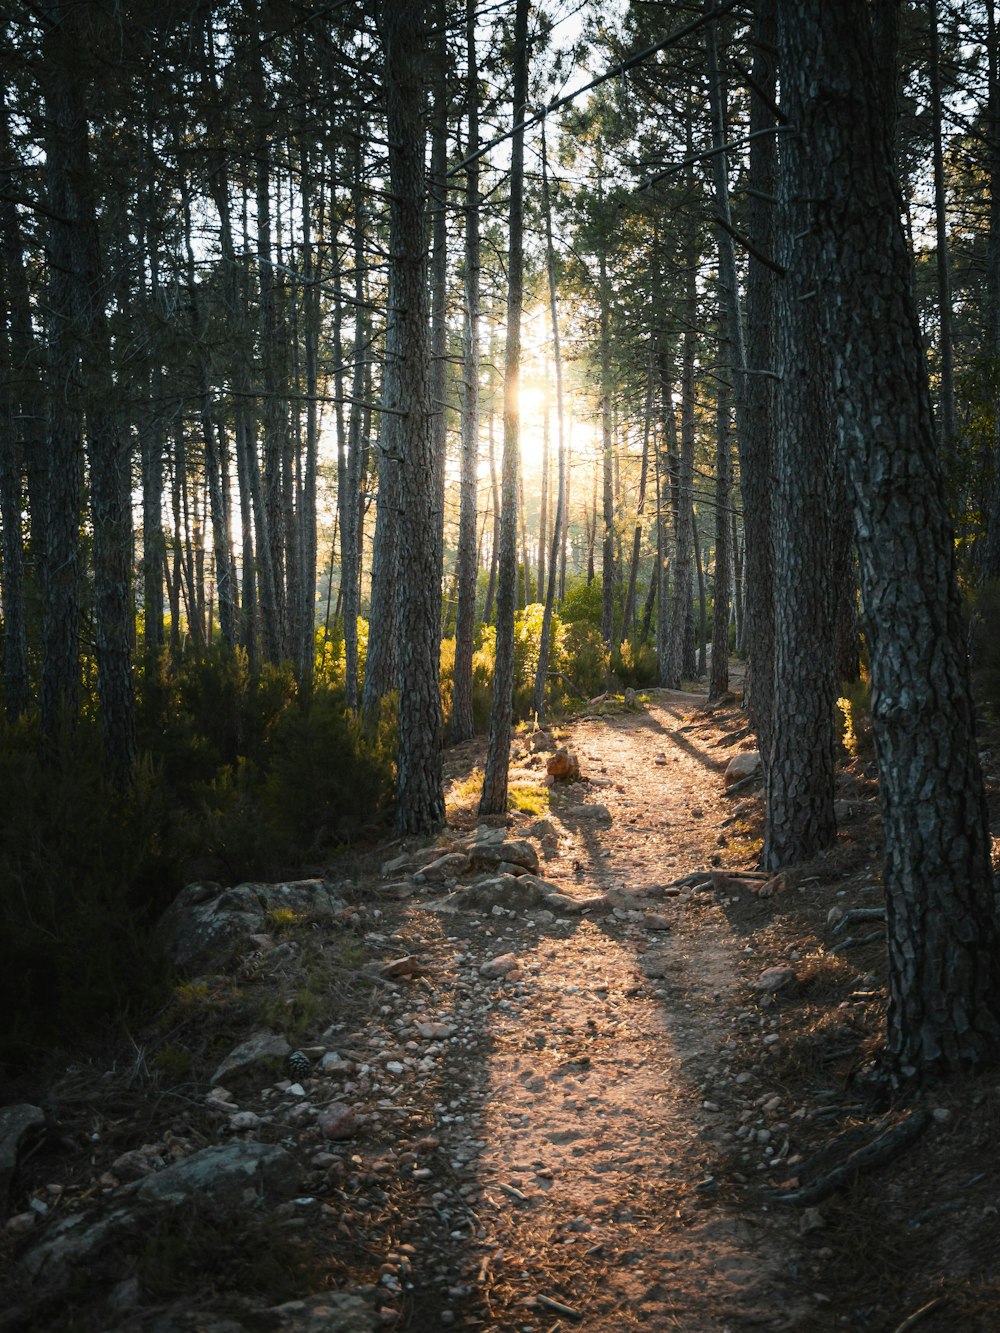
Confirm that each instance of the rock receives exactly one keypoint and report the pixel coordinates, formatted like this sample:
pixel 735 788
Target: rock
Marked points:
pixel 71 1241
pixel 138 1163
pixel 435 1031
pixel 508 891
pixel 599 814
pixel 774 979
pixel 741 766
pixel 541 740
pixel 564 766
pixel 338 1122
pixel 258 1049
pixel 811 1220
pixel 16 1123
pixel 445 867
pixel 206 926
pixel 222 1170
pixel 515 851
pixel 501 966
pixel 402 967
pixel 244 1120
pixel 777 884
pixel 656 921
pixel 328 1312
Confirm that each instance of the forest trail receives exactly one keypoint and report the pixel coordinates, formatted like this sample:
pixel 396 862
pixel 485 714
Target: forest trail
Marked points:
pixel 588 1133
pixel 602 1078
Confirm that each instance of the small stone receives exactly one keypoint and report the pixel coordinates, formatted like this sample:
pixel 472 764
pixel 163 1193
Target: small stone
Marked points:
pixel 811 1220
pixel 244 1120
pixel 501 966
pixel 338 1122
pixel 435 1031
pixel 656 921
pixel 941 1114
pixel 774 979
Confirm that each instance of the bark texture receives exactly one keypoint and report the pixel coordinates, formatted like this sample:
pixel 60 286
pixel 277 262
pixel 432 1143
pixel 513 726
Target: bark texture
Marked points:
pixel 944 948
pixel 419 794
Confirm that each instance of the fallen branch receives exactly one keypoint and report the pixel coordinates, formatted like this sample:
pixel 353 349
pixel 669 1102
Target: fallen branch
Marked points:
pixel 882 1149
pixel 853 942
pixel 561 675
pixel 857 914
pixel 558 1307
pixel 912 1320
pixel 743 783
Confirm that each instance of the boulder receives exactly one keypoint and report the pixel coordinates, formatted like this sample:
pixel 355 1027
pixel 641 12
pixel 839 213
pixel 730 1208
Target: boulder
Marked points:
pixel 206 926
pixel 16 1123
pixel 449 866
pixel 514 851
pixel 223 1170
pixel 564 766
pixel 329 1312
pixel 743 765
pixel 260 1048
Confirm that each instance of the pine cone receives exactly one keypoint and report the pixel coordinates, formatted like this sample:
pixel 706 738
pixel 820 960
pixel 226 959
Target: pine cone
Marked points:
pixel 299 1064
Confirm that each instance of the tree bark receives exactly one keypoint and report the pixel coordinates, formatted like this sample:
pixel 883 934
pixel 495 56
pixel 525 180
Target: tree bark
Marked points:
pixel 755 435
pixel 545 646
pixel 419 793
pixel 944 947
pixel 461 725
pixel 494 797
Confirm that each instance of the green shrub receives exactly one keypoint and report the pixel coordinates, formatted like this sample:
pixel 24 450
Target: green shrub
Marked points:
pixel 84 872
pixel 636 667
pixel 583 601
pixel 327 780
pixel 585 657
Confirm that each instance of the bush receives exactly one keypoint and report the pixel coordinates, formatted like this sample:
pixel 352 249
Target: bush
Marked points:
pixel 327 781
pixel 636 667
pixel 583 601
pixel 84 873
pixel 585 657
pixel 238 778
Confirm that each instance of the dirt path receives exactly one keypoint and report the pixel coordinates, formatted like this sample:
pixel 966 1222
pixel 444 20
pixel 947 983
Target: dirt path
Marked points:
pixel 590 1172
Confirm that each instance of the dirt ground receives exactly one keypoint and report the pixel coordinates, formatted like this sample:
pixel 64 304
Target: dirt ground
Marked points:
pixel 597 1140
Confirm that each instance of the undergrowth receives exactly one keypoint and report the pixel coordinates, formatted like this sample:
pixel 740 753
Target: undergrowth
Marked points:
pixel 238 777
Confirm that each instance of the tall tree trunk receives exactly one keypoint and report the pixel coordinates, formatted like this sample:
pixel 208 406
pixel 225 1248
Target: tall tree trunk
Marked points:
pixel 545 644
pixel 607 454
pixel 350 507
pixel 461 726
pixel 17 368
pixel 944 945
pixel 494 797
pixel 628 610
pixel 495 543
pixel 419 793
pixel 64 471
pixel 948 421
pixel 718 682
pixel 310 333
pixel 755 434
pixel 799 820
pixel 672 671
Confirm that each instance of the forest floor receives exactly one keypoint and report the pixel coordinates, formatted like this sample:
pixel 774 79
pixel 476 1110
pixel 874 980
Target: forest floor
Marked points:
pixel 598 1139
